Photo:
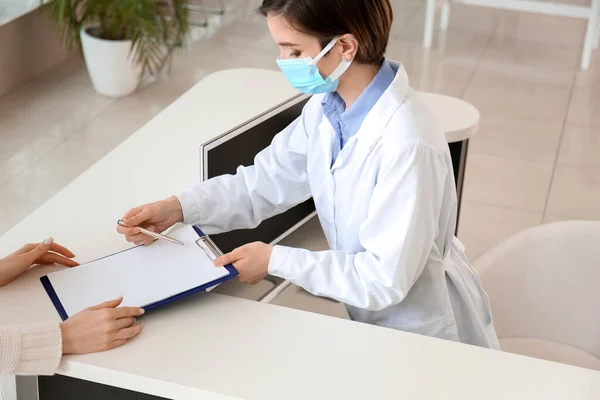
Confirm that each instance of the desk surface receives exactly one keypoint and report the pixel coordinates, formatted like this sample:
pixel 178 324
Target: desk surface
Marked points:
pixel 217 347
pixel 159 160
pixel 212 346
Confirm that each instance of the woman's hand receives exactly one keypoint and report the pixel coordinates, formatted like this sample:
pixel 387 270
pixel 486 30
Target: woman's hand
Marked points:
pixel 20 261
pixel 251 261
pixel 100 328
pixel 156 217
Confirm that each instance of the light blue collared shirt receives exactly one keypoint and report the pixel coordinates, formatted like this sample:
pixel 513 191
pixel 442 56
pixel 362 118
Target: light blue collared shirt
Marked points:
pixel 347 122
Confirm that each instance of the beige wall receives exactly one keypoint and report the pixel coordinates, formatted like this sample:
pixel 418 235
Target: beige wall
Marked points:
pixel 28 47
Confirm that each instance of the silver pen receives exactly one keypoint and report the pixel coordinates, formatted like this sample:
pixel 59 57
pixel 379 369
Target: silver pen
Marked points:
pixel 152 234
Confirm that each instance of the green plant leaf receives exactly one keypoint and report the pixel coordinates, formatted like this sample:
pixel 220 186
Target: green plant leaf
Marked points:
pixel 155 27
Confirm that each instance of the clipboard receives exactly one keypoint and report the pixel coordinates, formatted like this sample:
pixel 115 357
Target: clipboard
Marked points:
pixel 55 291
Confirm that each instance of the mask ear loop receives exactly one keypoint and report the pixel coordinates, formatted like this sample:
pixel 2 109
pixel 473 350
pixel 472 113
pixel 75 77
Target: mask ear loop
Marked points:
pixel 324 51
pixel 339 71
pixel 342 67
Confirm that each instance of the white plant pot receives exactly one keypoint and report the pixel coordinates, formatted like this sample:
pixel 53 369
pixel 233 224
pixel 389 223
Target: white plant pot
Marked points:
pixel 112 68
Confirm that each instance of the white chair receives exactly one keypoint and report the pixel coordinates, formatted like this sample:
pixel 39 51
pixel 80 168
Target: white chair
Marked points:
pixel 589 13
pixel 543 289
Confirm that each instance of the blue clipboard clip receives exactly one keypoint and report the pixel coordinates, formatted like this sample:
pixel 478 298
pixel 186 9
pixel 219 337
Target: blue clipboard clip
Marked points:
pixel 209 247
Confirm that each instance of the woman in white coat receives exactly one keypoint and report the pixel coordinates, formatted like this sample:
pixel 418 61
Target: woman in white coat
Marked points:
pixel 376 163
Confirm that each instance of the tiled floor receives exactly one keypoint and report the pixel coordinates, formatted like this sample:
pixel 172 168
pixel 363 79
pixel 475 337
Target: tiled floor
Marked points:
pixel 536 159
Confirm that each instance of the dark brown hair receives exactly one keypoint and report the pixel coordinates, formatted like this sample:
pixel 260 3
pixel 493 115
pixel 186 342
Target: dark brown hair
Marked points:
pixel 370 22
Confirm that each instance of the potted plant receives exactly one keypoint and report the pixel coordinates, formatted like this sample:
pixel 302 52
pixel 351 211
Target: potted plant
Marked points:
pixel 121 40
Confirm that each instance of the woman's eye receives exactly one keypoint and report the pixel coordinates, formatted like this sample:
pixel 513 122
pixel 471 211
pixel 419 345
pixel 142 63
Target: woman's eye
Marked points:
pixel 295 54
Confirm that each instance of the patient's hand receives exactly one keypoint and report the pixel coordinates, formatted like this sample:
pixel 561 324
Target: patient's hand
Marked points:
pixel 100 328
pixel 46 252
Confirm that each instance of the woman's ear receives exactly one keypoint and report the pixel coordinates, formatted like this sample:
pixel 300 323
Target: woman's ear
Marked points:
pixel 349 47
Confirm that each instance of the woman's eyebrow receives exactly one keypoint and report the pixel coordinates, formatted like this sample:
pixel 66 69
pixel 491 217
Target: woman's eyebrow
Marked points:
pixel 287 44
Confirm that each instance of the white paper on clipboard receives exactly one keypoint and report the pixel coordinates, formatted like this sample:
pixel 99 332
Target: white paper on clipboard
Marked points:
pixel 143 275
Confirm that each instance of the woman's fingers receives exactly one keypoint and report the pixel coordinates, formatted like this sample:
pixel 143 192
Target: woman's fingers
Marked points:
pixel 108 304
pixel 127 230
pixel 229 258
pixel 25 249
pixel 46 252
pixel 54 247
pixel 116 343
pixel 137 239
pixel 149 240
pixel 144 242
pixel 53 258
pixel 57 248
pixel 37 251
pixel 137 216
pixel 140 238
pixel 128 333
pixel 133 211
pixel 128 312
pixel 123 323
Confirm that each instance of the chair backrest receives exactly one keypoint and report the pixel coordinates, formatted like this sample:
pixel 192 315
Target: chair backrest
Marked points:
pixel 545 283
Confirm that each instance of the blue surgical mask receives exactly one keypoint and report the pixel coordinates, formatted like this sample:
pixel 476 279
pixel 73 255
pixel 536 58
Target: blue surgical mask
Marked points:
pixel 303 74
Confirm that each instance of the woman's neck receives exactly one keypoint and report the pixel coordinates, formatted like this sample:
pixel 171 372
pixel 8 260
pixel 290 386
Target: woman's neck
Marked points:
pixel 355 80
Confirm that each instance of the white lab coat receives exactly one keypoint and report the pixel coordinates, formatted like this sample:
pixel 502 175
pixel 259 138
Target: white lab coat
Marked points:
pixel 388 208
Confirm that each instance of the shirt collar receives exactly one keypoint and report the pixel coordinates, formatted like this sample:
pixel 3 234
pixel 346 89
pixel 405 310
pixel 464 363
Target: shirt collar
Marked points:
pixel 333 104
pixel 352 118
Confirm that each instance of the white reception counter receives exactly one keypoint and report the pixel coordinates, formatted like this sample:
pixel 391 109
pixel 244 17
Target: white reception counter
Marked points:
pixel 217 347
